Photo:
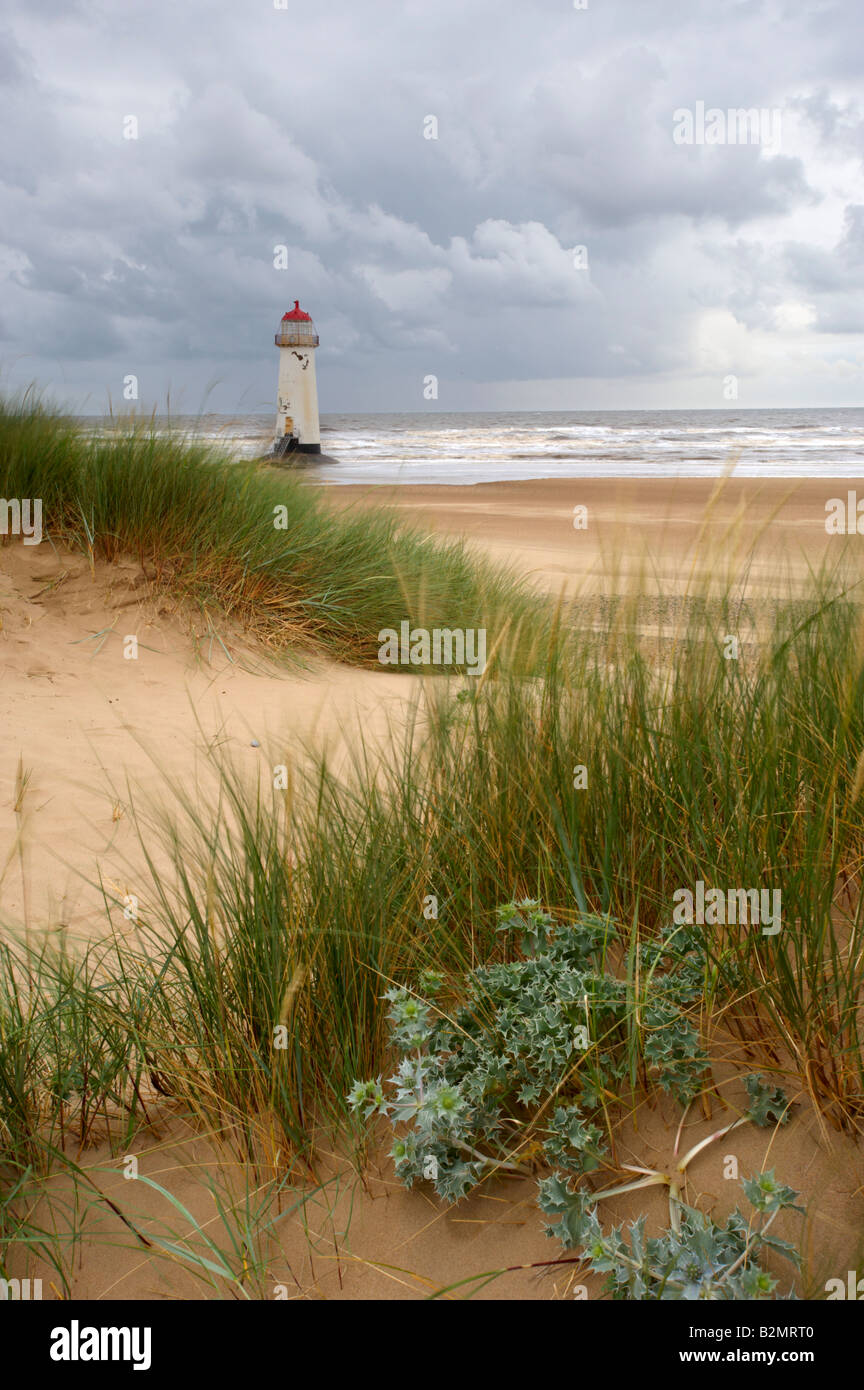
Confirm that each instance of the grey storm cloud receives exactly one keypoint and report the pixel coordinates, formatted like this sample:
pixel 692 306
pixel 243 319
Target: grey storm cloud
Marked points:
pixel 257 127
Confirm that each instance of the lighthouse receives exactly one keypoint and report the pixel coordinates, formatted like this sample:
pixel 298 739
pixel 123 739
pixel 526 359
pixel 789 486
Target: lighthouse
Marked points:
pixel 297 405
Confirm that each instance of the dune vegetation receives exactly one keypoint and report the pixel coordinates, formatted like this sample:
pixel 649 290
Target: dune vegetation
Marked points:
pixel 248 542
pixel 598 770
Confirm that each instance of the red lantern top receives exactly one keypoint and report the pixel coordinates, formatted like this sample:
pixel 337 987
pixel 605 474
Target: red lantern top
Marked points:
pixel 296 329
pixel 297 313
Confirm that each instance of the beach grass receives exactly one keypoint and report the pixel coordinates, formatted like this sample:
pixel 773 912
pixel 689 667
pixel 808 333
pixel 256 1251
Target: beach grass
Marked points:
pixel 251 543
pixel 622 760
pixel 287 912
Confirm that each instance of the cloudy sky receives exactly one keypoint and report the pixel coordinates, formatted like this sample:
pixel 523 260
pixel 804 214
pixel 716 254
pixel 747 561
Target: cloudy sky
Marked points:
pixel 305 127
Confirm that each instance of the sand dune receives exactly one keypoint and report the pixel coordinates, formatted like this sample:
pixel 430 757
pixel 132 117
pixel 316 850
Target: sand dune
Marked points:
pixel 79 718
pixel 82 718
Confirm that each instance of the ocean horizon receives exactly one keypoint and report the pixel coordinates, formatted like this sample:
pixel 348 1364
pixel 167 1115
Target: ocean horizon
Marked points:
pixel 493 446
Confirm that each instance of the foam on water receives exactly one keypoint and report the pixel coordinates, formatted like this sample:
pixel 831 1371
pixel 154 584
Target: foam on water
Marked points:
pixel 486 447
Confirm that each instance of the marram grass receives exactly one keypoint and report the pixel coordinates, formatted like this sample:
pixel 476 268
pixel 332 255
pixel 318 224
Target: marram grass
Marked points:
pixel 288 914
pixel 248 997
pixel 324 580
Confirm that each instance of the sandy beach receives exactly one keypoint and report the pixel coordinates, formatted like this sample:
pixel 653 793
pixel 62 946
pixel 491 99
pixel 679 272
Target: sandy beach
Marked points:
pixel 84 718
pixel 84 721
pixel 652 526
pixel 432 672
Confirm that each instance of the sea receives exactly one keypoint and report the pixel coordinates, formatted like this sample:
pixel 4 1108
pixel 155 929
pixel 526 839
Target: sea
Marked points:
pixel 496 446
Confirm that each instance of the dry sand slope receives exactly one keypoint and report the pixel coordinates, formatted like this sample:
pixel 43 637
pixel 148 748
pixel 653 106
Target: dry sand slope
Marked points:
pixel 78 717
pixel 81 718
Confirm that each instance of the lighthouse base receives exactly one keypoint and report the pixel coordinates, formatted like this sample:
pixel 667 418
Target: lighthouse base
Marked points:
pixel 287 449
pixel 290 444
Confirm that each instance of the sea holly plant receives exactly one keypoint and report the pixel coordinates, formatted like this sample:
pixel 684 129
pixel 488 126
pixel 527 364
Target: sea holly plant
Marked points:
pixel 695 1258
pixel 546 1031
pixel 522 1067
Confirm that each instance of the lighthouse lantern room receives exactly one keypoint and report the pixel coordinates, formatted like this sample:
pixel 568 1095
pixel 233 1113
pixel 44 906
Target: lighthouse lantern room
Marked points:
pixel 297 407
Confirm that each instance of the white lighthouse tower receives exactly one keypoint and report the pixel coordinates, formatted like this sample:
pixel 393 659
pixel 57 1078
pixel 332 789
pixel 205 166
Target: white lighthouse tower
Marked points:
pixel 297 406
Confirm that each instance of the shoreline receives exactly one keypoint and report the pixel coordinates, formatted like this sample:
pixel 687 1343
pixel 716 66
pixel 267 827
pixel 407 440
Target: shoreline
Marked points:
pixel 691 490
pixel 775 527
